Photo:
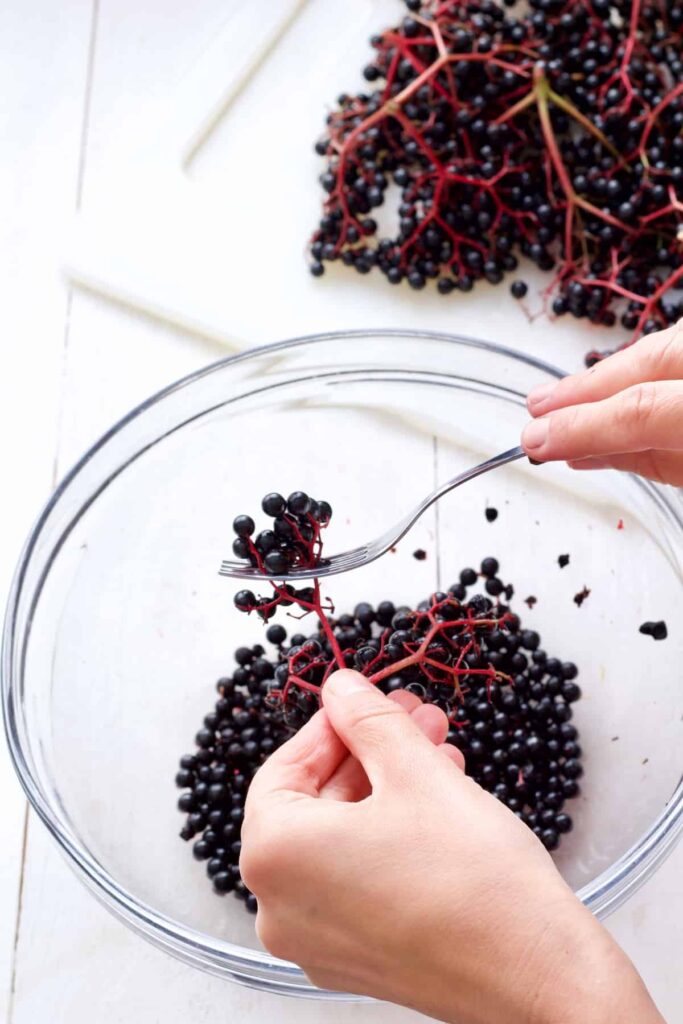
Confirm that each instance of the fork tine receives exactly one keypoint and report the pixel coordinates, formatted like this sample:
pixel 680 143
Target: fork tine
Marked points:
pixel 331 567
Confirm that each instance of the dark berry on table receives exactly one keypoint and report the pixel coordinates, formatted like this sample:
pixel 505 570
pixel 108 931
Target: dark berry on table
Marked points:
pixel 563 823
pixel 465 214
pixel 657 630
pixel 385 612
pixel 581 596
pixel 550 838
pixel 572 769
pixel 204 738
pixel 530 639
pixel 420 554
pixel 562 560
pixel 201 850
pixel 491 514
pixel 223 882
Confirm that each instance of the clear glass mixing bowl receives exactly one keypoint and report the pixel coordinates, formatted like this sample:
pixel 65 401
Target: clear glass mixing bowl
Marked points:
pixel 118 624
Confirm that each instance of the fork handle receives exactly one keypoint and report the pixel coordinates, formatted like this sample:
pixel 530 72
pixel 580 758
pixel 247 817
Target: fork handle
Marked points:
pixel 469 474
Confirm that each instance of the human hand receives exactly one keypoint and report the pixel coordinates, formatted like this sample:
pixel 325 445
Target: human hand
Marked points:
pixel 391 874
pixel 626 412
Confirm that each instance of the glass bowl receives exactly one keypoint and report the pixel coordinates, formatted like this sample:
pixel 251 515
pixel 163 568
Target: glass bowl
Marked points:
pixel 118 624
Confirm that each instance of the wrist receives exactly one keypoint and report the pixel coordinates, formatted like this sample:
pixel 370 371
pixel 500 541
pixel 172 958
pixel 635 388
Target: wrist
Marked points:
pixel 582 975
pixel 564 969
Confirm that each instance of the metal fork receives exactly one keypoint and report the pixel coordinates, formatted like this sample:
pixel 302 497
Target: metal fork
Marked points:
pixel 366 553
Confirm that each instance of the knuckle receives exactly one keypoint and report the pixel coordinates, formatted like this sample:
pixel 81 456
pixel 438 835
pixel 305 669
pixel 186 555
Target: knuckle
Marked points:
pixel 637 405
pixel 376 712
pixel 663 356
pixel 375 720
pixel 566 427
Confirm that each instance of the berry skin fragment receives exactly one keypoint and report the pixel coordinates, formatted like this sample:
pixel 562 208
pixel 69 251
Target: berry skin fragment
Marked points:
pixel 657 630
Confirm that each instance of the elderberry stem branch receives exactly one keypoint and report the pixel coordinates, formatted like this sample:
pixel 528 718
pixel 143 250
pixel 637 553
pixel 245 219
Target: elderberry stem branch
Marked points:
pixel 584 121
pixel 329 632
pixel 653 299
pixel 526 101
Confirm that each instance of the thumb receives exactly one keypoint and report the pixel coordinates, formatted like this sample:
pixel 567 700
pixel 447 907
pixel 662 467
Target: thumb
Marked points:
pixel 378 732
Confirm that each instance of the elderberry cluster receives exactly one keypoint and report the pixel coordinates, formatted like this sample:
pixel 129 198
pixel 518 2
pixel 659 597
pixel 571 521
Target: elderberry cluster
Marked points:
pixel 509 706
pixel 555 134
pixel 293 542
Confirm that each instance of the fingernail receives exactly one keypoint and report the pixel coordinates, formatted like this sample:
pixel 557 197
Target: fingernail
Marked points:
pixel 539 395
pixel 345 682
pixel 535 434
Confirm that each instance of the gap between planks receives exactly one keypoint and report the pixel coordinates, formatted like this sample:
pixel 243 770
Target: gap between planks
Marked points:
pixel 82 160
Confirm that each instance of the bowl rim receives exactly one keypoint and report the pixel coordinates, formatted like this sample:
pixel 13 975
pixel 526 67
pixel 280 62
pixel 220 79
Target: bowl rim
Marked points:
pixel 255 967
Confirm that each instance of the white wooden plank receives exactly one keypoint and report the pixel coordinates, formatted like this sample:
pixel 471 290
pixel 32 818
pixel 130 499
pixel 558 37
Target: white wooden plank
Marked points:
pixel 42 79
pixel 72 955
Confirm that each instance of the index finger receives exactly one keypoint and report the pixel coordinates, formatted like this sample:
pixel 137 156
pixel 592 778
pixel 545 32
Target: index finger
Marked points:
pixel 653 358
pixel 303 764
pixel 643 417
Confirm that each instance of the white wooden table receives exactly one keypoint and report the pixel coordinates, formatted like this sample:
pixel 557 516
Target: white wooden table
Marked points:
pixel 74 78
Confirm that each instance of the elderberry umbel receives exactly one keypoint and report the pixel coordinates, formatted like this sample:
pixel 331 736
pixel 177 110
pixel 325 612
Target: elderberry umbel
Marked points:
pixel 555 133
pixel 293 541
pixel 507 702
